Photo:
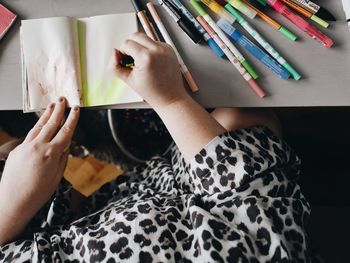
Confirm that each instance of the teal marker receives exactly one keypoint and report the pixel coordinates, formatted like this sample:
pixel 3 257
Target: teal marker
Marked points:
pixel 211 43
pixel 263 42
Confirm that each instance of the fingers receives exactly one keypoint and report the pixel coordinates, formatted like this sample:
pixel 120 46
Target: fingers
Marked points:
pixel 134 49
pixel 54 122
pixel 33 133
pixel 144 40
pixel 64 136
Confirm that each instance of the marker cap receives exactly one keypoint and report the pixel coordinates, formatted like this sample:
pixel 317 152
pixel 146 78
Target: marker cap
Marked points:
pixel 217 50
pixel 257 89
pixel 250 69
pixel 243 8
pixel 201 11
pixel 320 21
pixel 187 26
pixel 287 33
pixel 292 71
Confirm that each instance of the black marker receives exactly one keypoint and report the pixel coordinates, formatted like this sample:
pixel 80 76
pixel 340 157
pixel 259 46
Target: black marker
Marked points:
pixel 184 23
pixel 124 60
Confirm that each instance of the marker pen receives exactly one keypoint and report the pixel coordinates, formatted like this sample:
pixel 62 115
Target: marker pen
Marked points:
pixel 284 31
pixel 253 49
pixel 218 9
pixel 243 8
pixel 141 14
pixel 225 39
pixel 306 13
pixel 211 43
pixel 247 77
pixel 123 60
pixel 301 23
pixel 184 70
pixel 182 21
pixel 263 42
pixel 315 9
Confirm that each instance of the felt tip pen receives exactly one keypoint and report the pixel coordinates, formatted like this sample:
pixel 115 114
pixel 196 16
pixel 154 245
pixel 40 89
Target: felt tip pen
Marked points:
pixel 306 13
pixel 123 60
pixel 184 70
pixel 300 22
pixel 253 49
pixel 247 77
pixel 243 8
pixel 141 14
pixel 211 43
pixel 218 9
pixel 225 39
pixel 284 31
pixel 263 42
pixel 182 21
pixel 315 9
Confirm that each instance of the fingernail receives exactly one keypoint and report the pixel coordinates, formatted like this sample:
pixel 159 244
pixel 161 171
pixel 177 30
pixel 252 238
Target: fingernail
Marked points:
pixel 52 105
pixel 76 108
pixel 61 99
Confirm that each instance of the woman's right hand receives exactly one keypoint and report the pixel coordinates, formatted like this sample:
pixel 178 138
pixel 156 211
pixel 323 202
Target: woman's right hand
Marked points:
pixel 156 76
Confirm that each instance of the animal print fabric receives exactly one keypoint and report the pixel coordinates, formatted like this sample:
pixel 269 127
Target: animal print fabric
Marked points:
pixel 236 201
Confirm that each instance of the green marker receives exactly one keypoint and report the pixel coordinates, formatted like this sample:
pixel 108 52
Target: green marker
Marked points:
pixel 224 38
pixel 263 42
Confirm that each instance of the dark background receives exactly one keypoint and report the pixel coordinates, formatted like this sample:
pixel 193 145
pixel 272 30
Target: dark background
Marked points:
pixel 321 138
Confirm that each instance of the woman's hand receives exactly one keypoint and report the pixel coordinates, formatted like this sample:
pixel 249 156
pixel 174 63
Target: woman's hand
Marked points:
pixel 156 75
pixel 156 78
pixel 34 169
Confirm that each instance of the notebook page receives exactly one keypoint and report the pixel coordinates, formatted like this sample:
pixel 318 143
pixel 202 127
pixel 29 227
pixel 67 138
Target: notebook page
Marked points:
pixel 51 65
pixel 98 37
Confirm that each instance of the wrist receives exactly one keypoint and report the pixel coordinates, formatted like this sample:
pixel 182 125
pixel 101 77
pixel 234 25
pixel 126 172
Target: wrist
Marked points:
pixel 176 102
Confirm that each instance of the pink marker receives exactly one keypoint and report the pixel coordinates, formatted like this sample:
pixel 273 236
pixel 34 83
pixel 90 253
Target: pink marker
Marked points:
pixel 248 78
pixel 300 22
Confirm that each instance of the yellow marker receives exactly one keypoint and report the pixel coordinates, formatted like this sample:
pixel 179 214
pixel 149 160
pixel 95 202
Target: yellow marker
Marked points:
pixel 218 9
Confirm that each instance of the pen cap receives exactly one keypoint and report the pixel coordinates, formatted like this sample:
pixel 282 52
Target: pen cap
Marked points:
pixel 229 29
pixel 188 27
pixel 243 8
pixel 320 21
pixel 287 33
pixel 196 5
pixel 137 5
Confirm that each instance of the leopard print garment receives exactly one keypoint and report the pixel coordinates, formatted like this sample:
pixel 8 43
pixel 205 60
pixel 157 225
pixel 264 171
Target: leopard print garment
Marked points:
pixel 236 201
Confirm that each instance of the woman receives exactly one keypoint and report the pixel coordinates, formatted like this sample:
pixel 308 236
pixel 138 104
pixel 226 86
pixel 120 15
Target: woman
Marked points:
pixel 227 192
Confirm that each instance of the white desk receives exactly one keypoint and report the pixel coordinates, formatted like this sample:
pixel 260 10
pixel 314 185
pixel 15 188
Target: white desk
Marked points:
pixel 326 78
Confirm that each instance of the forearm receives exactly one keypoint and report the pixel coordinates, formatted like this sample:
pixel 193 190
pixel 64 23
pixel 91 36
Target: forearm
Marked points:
pixel 190 125
pixel 12 223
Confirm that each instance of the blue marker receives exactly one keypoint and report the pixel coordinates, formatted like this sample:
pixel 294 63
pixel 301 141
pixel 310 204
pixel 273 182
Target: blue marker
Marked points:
pixel 253 49
pixel 211 43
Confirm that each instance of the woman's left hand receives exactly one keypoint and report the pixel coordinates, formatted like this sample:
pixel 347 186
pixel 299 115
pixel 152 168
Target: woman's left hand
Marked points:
pixel 34 169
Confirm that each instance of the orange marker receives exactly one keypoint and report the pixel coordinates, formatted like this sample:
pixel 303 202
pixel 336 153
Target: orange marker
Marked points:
pixel 284 31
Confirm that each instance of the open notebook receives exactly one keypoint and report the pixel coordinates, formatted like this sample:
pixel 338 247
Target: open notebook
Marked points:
pixel 70 57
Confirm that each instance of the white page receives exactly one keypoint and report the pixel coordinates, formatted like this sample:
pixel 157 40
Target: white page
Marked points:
pixel 98 37
pixel 51 61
